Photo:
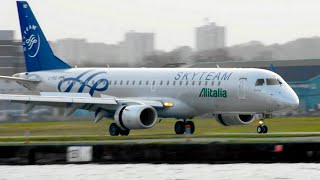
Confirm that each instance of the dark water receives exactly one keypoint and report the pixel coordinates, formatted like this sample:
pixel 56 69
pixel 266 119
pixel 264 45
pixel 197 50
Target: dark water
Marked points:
pixel 164 171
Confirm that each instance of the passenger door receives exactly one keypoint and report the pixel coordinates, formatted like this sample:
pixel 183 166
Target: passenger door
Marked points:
pixel 242 88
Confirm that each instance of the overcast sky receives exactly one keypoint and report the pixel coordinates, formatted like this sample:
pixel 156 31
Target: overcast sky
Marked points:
pixel 173 21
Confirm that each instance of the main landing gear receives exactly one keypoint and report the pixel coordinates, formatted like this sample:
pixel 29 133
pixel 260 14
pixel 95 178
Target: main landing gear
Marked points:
pixel 180 126
pixel 114 130
pixel 262 128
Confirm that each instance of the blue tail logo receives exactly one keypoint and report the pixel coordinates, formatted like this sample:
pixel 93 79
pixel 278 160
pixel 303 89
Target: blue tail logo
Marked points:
pixel 31 41
pixel 37 51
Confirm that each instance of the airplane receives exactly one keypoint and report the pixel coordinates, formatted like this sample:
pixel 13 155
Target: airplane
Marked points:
pixel 136 97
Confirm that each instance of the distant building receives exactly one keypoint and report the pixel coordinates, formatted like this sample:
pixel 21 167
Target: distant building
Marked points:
pixel 11 54
pixel 72 51
pixel 210 36
pixel 11 62
pixel 136 46
pixel 103 54
pixel 184 53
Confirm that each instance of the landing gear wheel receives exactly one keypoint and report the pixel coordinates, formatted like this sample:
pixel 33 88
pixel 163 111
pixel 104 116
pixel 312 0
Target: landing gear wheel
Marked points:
pixel 265 129
pixel 260 129
pixel 192 126
pixel 124 132
pixel 114 130
pixel 179 127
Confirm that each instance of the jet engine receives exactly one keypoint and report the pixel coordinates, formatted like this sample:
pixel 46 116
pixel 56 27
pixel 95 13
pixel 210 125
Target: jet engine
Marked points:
pixel 235 119
pixel 136 117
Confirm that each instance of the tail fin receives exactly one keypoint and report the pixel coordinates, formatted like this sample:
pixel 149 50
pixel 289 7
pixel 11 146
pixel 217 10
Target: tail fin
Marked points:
pixel 37 52
pixel 272 68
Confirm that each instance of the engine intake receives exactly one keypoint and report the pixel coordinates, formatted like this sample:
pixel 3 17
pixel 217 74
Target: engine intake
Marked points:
pixel 235 119
pixel 136 117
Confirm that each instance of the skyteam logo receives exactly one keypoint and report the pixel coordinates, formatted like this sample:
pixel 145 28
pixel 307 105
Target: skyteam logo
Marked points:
pixel 31 40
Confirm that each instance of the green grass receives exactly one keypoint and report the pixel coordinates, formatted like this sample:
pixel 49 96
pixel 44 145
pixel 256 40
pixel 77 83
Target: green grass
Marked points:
pixel 88 130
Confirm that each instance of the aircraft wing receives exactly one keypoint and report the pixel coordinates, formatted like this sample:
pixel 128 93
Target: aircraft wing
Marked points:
pixel 74 101
pixel 55 99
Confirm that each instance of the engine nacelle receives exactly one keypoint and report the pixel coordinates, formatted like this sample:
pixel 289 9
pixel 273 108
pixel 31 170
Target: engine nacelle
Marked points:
pixel 136 117
pixel 235 119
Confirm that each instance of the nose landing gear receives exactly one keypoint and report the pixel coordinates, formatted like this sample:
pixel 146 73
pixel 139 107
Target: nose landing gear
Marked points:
pixel 262 128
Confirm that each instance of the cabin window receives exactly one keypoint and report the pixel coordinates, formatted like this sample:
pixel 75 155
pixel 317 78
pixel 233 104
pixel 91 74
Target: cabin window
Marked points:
pixel 206 83
pixel 108 82
pixel 174 83
pixel 187 83
pixel 147 82
pixel 115 82
pixel 272 81
pixel 180 83
pixel 212 83
pixel 259 82
pixel 121 82
pixel 168 82
pixel 199 83
pixel 160 83
pixel 193 83
pixel 154 83
pixel 128 82
pixel 140 83
pixel 133 82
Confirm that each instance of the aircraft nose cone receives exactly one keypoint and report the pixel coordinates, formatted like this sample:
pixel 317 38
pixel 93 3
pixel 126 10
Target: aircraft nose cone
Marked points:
pixel 290 102
pixel 294 101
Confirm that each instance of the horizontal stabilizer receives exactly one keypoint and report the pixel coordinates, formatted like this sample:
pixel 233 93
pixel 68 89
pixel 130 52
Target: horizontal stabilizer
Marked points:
pixel 18 79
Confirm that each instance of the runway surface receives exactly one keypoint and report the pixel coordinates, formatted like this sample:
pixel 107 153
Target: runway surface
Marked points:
pixel 305 137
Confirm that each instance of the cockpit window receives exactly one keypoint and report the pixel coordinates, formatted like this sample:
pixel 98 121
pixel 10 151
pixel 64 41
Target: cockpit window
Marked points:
pixel 273 81
pixel 259 82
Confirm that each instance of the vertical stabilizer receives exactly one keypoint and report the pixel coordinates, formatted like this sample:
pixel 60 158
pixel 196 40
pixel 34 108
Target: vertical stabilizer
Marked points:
pixel 37 51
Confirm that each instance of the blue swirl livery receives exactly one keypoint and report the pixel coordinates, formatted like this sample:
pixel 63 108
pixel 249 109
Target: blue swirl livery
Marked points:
pixel 99 85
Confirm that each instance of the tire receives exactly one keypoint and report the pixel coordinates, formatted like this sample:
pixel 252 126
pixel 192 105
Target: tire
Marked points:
pixel 125 132
pixel 260 129
pixel 114 130
pixel 179 127
pixel 192 126
pixel 265 129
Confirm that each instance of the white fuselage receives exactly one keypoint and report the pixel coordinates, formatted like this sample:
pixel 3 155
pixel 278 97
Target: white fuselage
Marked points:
pixel 192 91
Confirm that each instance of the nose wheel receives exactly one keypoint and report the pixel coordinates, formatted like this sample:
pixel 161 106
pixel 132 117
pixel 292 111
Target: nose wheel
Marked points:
pixel 262 129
